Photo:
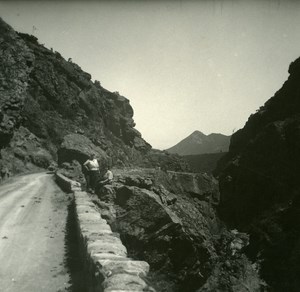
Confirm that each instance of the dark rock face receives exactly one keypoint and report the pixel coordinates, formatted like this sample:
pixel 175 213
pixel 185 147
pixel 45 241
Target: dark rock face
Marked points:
pixel 200 186
pixel 24 152
pixel 55 100
pixel 63 99
pixel 199 143
pixel 168 219
pixel 260 186
pixel 78 147
pixel 16 64
pixel 28 147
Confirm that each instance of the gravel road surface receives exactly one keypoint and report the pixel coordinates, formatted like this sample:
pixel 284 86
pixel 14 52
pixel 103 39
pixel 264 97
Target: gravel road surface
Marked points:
pixel 33 213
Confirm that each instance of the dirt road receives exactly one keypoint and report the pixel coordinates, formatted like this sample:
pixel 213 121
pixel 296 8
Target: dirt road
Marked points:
pixel 33 213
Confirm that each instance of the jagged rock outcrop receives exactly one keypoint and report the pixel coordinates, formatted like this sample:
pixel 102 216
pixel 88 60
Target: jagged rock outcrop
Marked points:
pixel 168 219
pixel 59 103
pixel 64 100
pixel 78 147
pixel 53 98
pixel 260 186
pixel 16 64
pixel 25 151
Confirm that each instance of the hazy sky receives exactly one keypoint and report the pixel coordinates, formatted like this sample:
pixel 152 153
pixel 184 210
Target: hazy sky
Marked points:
pixel 184 65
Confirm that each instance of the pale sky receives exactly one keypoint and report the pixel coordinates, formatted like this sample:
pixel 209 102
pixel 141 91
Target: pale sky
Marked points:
pixel 184 65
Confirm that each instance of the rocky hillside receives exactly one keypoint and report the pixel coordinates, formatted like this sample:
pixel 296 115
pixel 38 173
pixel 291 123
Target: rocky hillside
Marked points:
pixel 51 110
pixel 260 184
pixel 199 143
pixel 168 219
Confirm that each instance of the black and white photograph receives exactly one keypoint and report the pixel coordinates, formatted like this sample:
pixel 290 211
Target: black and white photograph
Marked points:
pixel 150 145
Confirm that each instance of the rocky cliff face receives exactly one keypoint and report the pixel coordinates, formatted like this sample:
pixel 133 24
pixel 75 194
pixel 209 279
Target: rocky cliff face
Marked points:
pixel 59 106
pixel 168 219
pixel 260 184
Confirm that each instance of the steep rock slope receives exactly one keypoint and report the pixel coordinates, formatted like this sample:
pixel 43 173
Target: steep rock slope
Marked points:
pixel 55 102
pixel 260 184
pixel 199 143
pixel 15 66
pixel 49 98
pixel 61 99
pixel 168 219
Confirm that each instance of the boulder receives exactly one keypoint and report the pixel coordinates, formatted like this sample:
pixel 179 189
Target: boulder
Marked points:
pixel 135 180
pixel 106 193
pixel 166 197
pixel 79 147
pixel 201 186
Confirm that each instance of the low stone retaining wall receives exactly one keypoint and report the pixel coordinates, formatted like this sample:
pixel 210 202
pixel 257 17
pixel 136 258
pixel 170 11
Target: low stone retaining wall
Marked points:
pixel 104 256
pixel 67 184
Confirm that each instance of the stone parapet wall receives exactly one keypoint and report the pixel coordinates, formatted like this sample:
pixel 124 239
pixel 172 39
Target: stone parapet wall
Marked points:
pixel 104 256
pixel 67 184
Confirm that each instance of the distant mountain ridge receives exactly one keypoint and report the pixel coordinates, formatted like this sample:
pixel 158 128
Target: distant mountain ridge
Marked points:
pixel 199 143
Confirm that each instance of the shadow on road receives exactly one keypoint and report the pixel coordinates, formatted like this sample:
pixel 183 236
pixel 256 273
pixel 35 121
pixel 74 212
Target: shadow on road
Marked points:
pixel 73 259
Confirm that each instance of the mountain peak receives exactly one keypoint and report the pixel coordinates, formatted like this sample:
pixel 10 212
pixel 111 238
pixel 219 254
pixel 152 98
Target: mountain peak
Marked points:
pixel 197 133
pixel 199 143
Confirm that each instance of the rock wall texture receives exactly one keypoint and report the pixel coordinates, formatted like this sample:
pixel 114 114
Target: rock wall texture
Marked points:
pixel 15 67
pixel 64 115
pixel 62 99
pixel 260 184
pixel 168 219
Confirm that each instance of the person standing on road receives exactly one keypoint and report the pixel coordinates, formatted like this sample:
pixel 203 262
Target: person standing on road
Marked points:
pixel 92 167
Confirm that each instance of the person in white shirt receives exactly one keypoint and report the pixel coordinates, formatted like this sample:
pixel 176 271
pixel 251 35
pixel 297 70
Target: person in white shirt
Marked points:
pixel 107 178
pixel 92 166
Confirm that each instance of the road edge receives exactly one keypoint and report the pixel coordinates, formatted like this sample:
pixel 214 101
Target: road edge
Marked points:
pixel 103 254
